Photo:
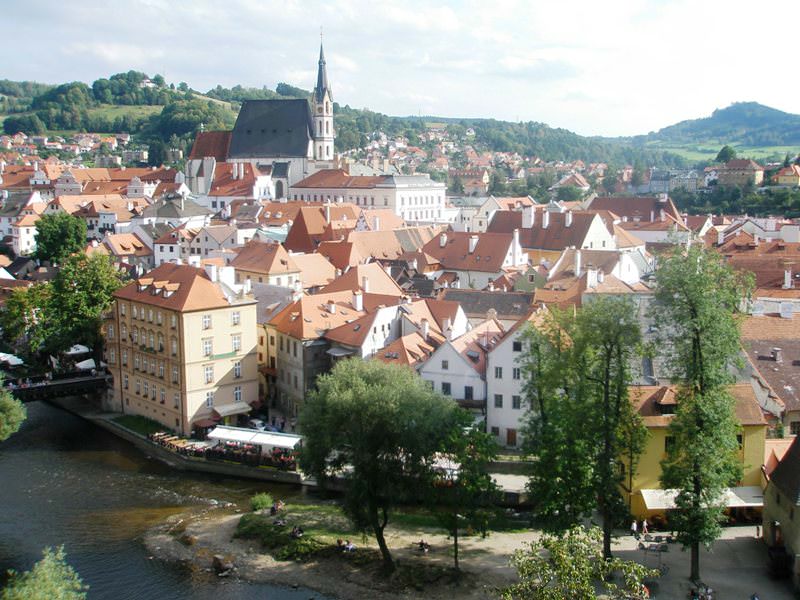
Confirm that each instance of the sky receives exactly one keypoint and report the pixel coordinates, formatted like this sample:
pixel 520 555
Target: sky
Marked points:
pixel 596 68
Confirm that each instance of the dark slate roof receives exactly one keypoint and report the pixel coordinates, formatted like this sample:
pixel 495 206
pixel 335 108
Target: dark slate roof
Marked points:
pixel 280 170
pixel 21 266
pixel 322 79
pixel 272 128
pixel 477 303
pixel 786 476
pixel 175 207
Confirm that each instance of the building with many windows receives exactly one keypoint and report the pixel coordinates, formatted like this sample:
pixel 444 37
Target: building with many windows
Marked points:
pixel 182 348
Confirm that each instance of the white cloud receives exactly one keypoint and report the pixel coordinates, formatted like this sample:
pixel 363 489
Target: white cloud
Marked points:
pixel 612 68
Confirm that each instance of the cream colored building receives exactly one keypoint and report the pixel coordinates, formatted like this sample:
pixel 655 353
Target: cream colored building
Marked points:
pixel 182 348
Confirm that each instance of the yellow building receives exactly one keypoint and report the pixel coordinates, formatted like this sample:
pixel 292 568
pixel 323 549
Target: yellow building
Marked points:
pixel 656 405
pixel 182 348
pixel 789 176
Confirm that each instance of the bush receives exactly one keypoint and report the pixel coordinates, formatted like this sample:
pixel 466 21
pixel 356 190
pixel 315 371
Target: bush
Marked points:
pixel 260 501
pixel 300 549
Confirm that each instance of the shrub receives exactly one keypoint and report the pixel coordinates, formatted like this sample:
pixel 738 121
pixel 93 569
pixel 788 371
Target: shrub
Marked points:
pixel 300 549
pixel 260 501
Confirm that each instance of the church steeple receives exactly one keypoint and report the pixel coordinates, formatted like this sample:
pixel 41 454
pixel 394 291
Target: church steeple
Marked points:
pixel 322 78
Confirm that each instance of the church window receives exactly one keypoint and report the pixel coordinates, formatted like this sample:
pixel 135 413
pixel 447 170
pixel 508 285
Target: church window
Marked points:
pixel 328 148
pixel 327 130
pixel 319 127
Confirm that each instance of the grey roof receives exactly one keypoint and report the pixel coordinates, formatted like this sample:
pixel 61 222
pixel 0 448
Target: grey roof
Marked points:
pixel 280 170
pixel 786 476
pixel 155 230
pixel 415 180
pixel 14 204
pixel 479 302
pixel 21 266
pixel 322 78
pixel 172 207
pixel 271 300
pixel 272 128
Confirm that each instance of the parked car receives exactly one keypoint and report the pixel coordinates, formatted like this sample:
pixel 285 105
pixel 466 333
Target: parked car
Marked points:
pixel 257 424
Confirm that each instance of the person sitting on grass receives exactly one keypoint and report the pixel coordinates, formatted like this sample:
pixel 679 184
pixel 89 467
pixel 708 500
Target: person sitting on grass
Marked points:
pixel 340 545
pixel 297 532
pixel 423 546
pixel 349 546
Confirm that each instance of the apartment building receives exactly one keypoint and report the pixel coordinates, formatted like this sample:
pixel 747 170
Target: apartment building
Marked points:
pixel 182 347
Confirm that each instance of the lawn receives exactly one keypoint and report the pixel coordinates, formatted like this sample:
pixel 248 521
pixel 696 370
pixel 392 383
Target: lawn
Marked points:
pixel 110 111
pixel 139 424
pixel 705 151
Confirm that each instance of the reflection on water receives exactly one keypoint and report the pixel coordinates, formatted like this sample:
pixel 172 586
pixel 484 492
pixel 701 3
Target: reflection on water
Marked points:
pixel 63 481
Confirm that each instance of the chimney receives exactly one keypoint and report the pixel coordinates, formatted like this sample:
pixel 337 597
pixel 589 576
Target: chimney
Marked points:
pixel 211 271
pixel 328 213
pixel 331 307
pixel 515 248
pixel 662 198
pixel 756 240
pixel 578 265
pixel 413 264
pixel 473 242
pixel 248 286
pixel 365 284
pixel 652 216
pixel 358 300
pixel 720 237
pixel 376 224
pixel 528 217
pixel 442 240
pixel 491 285
pixel 591 277
pixel 235 171
pixel 787 278
pixel 425 329
pixel 600 276
pixel 777 355
pixel 662 215
pixel 568 218
pixel 545 219
pixel 446 326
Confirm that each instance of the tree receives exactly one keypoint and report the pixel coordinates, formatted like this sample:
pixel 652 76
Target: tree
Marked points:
pixel 12 413
pixel 725 154
pixel 26 322
pixel 697 296
pixel 569 193
pixel 59 235
pixel 377 428
pixel 464 496
pixel 456 185
pixel 571 565
pixel 50 578
pixel 581 427
pixel 81 294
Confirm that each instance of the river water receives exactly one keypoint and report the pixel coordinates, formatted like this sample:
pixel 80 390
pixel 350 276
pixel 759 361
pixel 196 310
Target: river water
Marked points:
pixel 65 481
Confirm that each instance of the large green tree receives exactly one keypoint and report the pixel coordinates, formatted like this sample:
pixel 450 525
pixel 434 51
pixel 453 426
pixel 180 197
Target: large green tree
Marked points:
pixel 697 299
pixel 465 495
pixel 58 236
pixel 725 154
pixel 376 428
pixel 81 294
pixel 12 413
pixel 26 321
pixel 580 426
pixel 52 578
pixel 571 565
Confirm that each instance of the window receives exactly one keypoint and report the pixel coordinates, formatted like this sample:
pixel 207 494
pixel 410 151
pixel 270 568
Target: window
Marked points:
pixel 134 312
pixel 176 400
pixel 237 393
pixel 446 388
pixel 146 388
pixel 235 317
pixel 152 339
pixel 110 332
pixel 163 395
pixel 174 344
pixel 740 441
pixel 237 369
pixel 136 361
pixel 125 382
pixel 135 335
pixel 112 356
pixel 669 442
pixel 294 348
pixel 138 386
pixel 123 330
pixel 281 343
pixel 159 317
pixel 209 373
pixel 161 370
pixel 515 373
pixel 124 357
pixel 498 400
pixel 173 321
pixel 496 431
pixel 206 321
pixel 794 427
pixel 174 374
pixel 208 347
pixel 516 346
pixel 516 402
pixel 467 392
pixel 122 309
pixel 498 372
pixel 272 340
pixel 160 343
pixel 445 365
pixel 236 341
pixel 209 399
pixel 295 382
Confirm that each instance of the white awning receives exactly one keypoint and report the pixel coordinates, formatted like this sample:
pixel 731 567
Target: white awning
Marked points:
pixel 86 365
pixel 13 361
pixel 268 439
pixel 338 352
pixel 749 496
pixel 77 349
pixel 239 408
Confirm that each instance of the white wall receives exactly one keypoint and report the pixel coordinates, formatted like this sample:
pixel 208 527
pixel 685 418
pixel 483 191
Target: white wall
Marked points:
pixel 507 417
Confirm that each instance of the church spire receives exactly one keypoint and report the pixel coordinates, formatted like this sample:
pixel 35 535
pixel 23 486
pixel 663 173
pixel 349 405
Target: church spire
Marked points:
pixel 322 78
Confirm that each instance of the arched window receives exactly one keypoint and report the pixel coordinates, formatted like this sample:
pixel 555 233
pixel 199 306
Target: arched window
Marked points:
pixel 319 127
pixel 327 127
pixel 327 108
pixel 135 335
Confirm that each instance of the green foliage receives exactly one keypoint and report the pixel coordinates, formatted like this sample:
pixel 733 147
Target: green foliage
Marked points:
pixel 581 424
pixel 50 579
pixel 23 89
pixel 184 117
pixel 277 540
pixel 698 295
pixel 735 200
pixel 300 549
pixel 569 193
pixel 465 499
pixel 725 154
pixel 377 428
pixel 12 413
pixel 28 124
pixel 139 424
pixel 261 501
pixel 58 236
pixel 571 565
pixel 25 321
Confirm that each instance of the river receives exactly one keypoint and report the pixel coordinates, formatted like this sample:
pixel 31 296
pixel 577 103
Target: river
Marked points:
pixel 65 481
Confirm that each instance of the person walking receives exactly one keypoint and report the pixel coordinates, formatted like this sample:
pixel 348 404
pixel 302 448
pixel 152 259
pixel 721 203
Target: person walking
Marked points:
pixel 644 527
pixel 634 529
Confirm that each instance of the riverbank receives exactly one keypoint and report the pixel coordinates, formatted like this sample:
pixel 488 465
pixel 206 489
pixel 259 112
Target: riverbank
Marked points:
pixel 194 540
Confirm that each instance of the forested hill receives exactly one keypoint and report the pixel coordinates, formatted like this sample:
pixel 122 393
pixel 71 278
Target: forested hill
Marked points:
pixel 744 123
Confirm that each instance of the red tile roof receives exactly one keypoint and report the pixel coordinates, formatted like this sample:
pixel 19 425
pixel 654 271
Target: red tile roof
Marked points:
pixel 211 143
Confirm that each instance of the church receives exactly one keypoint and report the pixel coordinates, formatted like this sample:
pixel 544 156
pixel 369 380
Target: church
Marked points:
pixel 289 139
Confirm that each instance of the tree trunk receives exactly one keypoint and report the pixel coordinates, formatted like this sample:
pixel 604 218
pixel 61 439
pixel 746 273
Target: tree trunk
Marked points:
pixel 377 528
pixel 606 535
pixel 455 544
pixel 695 576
